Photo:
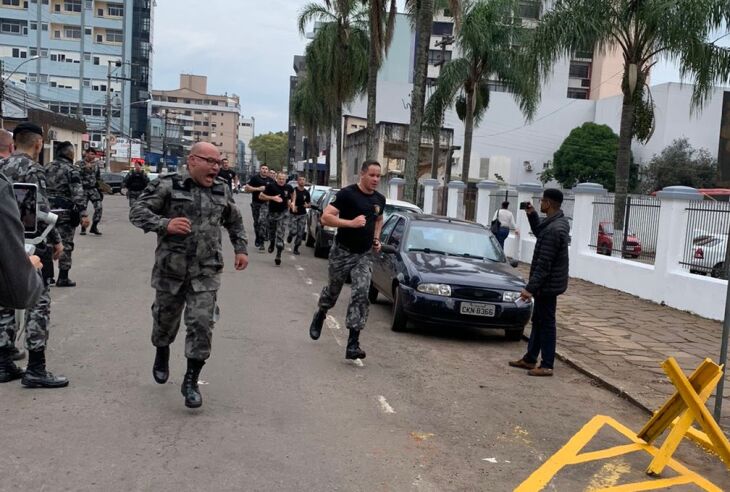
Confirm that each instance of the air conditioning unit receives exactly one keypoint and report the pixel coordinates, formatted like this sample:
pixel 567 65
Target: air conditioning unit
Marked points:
pixel 52 135
pixel 95 145
pixel 528 166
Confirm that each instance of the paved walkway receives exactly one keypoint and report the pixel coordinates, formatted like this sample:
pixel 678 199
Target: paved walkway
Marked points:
pixel 622 340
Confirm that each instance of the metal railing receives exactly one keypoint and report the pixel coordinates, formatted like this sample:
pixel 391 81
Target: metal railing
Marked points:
pixel 637 239
pixel 706 240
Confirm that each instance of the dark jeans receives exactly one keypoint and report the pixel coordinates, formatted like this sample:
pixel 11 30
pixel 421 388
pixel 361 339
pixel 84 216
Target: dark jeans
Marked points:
pixel 502 235
pixel 543 335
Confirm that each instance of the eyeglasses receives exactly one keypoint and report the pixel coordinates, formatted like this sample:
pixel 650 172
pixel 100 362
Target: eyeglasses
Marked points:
pixel 210 160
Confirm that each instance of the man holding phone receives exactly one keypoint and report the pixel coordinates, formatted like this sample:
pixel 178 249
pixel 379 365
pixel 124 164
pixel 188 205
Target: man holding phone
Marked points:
pixel 548 279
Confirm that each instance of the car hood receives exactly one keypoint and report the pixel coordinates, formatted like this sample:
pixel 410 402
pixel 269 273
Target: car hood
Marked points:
pixel 452 270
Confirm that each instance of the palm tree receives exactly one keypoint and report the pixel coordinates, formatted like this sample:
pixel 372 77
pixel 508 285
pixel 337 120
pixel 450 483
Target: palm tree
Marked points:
pixel 382 26
pixel 422 11
pixel 489 43
pixel 337 58
pixel 308 113
pixel 644 31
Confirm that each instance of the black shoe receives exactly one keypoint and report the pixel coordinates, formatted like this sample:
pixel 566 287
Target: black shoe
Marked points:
pixel 51 281
pixel 63 280
pixel 36 375
pixel 271 247
pixel 353 350
pixel 161 367
pixel 95 231
pixel 315 329
pixel 8 370
pixel 16 354
pixel 296 251
pixel 83 232
pixel 289 239
pixel 189 389
pixel 262 248
pixel 277 260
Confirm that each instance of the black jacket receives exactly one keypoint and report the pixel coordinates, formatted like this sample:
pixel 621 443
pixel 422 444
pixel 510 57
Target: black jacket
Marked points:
pixel 549 269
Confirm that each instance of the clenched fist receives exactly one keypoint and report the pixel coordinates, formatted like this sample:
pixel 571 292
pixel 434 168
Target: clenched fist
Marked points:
pixel 358 222
pixel 179 226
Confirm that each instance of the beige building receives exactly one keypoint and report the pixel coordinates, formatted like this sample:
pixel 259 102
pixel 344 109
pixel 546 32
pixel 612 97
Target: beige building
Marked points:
pixel 202 117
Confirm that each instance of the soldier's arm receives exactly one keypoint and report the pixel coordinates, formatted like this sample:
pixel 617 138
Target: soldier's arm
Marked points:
pixel 146 211
pixel 77 192
pixel 233 222
pixel 38 176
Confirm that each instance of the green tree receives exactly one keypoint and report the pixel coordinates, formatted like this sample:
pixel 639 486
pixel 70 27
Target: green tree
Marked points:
pixel 337 58
pixel 272 149
pixel 680 164
pixel 587 155
pixel 308 113
pixel 643 31
pixel 489 43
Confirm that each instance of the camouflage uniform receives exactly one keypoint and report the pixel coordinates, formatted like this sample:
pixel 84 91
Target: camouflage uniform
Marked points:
pixel 298 228
pixel 21 168
pixel 278 225
pixel 359 267
pixel 66 191
pixel 138 181
pixel 90 180
pixel 186 274
pixel 264 222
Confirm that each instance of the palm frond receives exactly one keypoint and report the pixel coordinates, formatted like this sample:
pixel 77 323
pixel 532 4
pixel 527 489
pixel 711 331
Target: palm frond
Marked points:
pixel 313 12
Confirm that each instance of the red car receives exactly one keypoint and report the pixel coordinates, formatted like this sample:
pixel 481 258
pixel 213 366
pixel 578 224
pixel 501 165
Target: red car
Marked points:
pixel 604 246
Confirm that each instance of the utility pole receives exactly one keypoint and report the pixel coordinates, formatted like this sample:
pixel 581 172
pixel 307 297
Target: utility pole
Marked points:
pixel 164 144
pixel 107 163
pixel 445 41
pixel 2 93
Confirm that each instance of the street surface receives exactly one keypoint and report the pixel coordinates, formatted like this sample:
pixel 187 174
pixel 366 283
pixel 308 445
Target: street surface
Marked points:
pixel 431 410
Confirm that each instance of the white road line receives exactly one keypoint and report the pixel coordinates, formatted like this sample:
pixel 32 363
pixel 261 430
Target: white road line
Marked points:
pixel 358 362
pixel 333 322
pixel 308 281
pixel 299 268
pixel 384 406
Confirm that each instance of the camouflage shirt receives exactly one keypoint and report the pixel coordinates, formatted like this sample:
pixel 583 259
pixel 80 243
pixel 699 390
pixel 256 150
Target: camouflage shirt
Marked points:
pixel 198 257
pixel 21 168
pixel 90 176
pixel 64 181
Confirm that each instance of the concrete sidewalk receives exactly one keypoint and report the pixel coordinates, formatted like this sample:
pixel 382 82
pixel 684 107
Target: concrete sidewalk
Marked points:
pixel 621 340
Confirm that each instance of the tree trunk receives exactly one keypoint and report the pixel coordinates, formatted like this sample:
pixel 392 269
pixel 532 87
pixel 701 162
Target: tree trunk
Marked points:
pixel 328 158
pixel 623 162
pixel 340 161
pixel 314 152
pixel 436 151
pixel 373 67
pixel 468 134
pixel 418 96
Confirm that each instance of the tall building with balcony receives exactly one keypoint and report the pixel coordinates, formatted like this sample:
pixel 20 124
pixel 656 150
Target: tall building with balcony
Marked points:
pixel 200 116
pixel 63 51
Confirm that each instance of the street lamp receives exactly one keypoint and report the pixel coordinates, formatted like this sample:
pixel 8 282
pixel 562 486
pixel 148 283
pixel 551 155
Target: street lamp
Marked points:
pixel 20 65
pixel 2 83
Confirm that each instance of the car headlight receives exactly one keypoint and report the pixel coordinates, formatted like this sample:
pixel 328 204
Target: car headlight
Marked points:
pixel 435 289
pixel 330 229
pixel 508 296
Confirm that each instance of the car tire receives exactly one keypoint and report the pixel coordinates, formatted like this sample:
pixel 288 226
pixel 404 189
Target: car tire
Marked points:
pixel 514 335
pixel 372 294
pixel 718 271
pixel 399 319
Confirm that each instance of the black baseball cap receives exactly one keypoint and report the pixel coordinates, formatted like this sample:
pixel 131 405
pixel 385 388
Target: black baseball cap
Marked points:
pixel 27 126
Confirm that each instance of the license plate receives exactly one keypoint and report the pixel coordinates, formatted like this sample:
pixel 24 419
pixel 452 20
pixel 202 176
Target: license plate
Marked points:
pixel 477 309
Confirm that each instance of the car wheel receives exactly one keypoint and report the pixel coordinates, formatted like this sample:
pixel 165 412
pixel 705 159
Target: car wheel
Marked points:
pixel 514 335
pixel 718 271
pixel 372 294
pixel 399 319
pixel 319 251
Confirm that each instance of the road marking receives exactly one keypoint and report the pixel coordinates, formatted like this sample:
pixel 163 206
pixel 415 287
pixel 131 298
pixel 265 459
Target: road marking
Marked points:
pixel 384 406
pixel 308 281
pixel 299 268
pixel 358 362
pixel 333 322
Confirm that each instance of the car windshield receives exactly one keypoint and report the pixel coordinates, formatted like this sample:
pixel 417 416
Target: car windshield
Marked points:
pixel 317 194
pixel 454 240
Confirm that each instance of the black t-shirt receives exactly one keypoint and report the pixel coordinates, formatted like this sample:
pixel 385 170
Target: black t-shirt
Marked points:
pixel 303 197
pixel 285 192
pixel 351 202
pixel 227 175
pixel 256 182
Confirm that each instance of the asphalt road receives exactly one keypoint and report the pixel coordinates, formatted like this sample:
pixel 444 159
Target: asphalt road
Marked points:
pixel 431 409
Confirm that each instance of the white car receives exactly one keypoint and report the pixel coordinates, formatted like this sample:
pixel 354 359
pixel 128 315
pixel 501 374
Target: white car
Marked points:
pixel 392 206
pixel 708 254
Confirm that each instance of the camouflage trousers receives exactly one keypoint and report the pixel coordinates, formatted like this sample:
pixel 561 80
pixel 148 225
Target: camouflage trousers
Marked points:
pixel 264 222
pixel 278 225
pixel 359 267
pixel 67 238
pixel 201 313
pixel 132 197
pixel 37 320
pixel 256 214
pixel 94 196
pixel 298 228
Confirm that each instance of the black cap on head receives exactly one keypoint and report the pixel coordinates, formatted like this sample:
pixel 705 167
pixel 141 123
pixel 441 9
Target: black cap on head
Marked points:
pixel 65 145
pixel 554 195
pixel 27 126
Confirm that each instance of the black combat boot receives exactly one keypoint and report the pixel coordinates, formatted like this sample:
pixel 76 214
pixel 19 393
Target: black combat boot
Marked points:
pixel 353 346
pixel 289 238
pixel 189 389
pixel 271 247
pixel 8 370
pixel 36 375
pixel 83 231
pixel 315 329
pixel 17 354
pixel 94 229
pixel 63 280
pixel 296 251
pixel 277 260
pixel 161 367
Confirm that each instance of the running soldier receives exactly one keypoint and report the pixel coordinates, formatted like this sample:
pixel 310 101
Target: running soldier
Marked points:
pixel 279 195
pixel 186 210
pixel 259 208
pixel 298 223
pixel 135 182
pixel 66 193
pixel 357 212
pixel 90 177
pixel 227 174
pixel 23 167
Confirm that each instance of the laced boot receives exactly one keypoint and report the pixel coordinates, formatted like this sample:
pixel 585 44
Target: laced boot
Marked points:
pixel 36 374
pixel 161 367
pixel 8 370
pixel 189 389
pixel 315 329
pixel 353 346
pixel 95 229
pixel 63 280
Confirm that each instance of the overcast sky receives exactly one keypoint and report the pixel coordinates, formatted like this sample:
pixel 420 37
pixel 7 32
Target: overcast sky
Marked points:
pixel 246 47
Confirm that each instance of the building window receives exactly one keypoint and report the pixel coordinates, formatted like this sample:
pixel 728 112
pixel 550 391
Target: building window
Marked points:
pixel 575 93
pixel 44 26
pixel 87 31
pixel 33 51
pixel 580 70
pixel 114 36
pixel 529 9
pixel 115 10
pixel 33 26
pixel 12 3
pixel 442 29
pixel 10 26
pixel 97 60
pixel 434 56
pixel 72 32
pixel 17 53
pixel 72 6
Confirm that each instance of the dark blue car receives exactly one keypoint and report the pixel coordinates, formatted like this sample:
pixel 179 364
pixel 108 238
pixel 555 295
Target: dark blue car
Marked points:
pixel 448 272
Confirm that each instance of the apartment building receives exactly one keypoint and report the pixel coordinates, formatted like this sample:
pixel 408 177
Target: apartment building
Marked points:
pixel 63 52
pixel 200 116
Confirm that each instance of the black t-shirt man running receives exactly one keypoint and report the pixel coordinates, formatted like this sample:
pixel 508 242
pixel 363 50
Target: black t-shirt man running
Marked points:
pixel 255 186
pixel 227 174
pixel 357 212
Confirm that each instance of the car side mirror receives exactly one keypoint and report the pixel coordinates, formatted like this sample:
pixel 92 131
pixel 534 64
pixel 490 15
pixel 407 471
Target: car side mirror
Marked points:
pixel 388 249
pixel 514 263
